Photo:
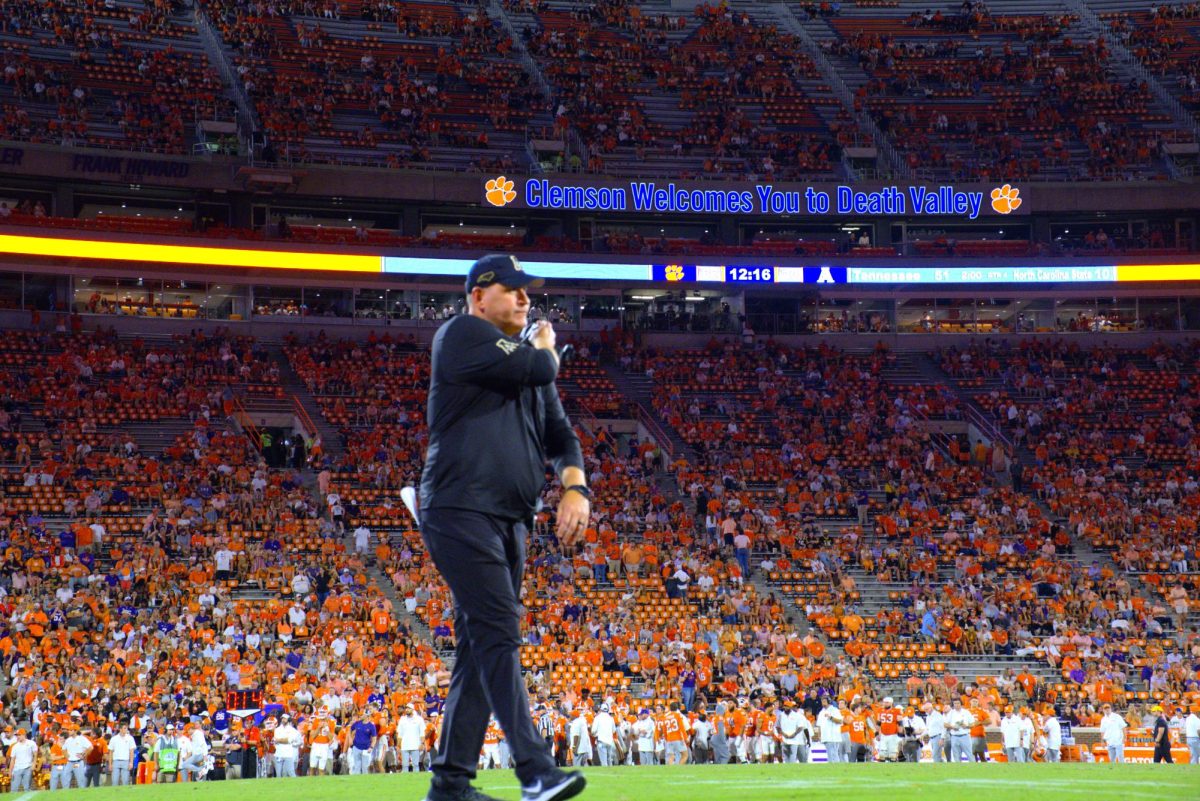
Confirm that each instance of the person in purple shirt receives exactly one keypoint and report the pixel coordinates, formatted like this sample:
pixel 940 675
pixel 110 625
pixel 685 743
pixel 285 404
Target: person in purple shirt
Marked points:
pixel 364 736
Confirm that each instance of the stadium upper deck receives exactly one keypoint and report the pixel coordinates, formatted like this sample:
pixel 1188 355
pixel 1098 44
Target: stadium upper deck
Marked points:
pixel 1036 90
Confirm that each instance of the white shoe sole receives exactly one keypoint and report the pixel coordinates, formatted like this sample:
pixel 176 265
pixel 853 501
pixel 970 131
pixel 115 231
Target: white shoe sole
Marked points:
pixel 567 788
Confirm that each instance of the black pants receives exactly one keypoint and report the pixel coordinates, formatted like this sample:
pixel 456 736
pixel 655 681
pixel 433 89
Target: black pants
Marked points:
pixel 1162 753
pixel 482 558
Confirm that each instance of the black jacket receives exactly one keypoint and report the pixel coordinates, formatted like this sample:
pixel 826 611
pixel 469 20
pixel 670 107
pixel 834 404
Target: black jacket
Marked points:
pixel 494 419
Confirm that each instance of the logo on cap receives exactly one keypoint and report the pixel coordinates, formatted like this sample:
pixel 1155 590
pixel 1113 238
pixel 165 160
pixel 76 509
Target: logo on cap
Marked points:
pixel 500 191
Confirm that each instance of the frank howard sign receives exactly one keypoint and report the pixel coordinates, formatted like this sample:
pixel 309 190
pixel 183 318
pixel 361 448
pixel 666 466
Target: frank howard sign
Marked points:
pixel 756 199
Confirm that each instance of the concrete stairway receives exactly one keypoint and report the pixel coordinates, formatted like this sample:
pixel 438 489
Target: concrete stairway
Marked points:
pixel 792 611
pixel 152 438
pixel 294 386
pixel 876 595
pixel 891 162
pixel 331 441
pixel 639 389
pixel 913 367
pixel 1082 552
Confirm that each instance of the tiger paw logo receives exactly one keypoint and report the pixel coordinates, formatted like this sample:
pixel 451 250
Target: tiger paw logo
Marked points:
pixel 1006 199
pixel 674 272
pixel 500 191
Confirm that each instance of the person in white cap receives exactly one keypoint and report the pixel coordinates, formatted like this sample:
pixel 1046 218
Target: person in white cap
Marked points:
pixel 604 729
pixel 1053 730
pixel 829 725
pixel 581 739
pixel 410 736
pixel 167 755
pixel 22 760
pixel 287 747
pixel 1191 734
pixel 1112 731
pixel 77 746
pixel 643 730
pixel 194 765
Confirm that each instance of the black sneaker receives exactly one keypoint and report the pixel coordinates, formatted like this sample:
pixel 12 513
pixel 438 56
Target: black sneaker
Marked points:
pixel 464 793
pixel 555 785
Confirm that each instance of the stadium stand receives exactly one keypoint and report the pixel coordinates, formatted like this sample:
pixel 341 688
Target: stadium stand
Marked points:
pixel 643 104
pixel 775 527
pixel 975 94
pixel 622 87
pixel 1163 38
pixel 117 75
pixel 382 84
pixel 764 561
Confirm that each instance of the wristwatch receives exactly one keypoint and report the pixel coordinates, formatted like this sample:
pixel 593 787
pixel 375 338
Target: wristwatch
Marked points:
pixel 582 489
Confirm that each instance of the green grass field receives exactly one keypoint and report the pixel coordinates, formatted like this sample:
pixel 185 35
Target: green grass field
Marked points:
pixel 993 782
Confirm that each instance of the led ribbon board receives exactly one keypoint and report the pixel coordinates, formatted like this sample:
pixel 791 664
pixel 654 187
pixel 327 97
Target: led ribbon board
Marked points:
pixel 678 272
pixel 188 254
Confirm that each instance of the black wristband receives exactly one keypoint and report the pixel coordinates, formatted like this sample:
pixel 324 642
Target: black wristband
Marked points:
pixel 582 489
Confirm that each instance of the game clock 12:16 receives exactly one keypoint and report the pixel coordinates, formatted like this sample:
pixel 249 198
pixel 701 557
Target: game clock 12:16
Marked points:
pixel 749 275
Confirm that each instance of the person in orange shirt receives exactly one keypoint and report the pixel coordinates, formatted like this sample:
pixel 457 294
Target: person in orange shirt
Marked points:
pixel 860 733
pixel 381 622
pixel 675 728
pixel 888 718
pixel 491 746
pixel 766 744
pixel 58 763
pixel 978 735
pixel 321 742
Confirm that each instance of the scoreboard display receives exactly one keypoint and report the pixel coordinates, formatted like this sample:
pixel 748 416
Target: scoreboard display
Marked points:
pixel 362 262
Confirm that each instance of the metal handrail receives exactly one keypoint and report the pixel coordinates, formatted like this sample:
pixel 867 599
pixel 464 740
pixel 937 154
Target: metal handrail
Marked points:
pixel 589 416
pixel 307 422
pixel 248 427
pixel 646 418
pixel 988 427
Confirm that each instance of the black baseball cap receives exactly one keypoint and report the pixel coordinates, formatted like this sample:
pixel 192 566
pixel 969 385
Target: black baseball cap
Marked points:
pixel 499 268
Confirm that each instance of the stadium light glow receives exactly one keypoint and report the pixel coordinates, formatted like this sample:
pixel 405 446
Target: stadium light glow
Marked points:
pixel 1158 272
pixel 187 254
pixel 878 272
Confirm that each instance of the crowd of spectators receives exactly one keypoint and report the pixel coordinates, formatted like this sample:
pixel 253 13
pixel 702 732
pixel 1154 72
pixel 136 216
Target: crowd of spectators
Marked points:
pixel 102 74
pixel 1053 106
pixel 1111 437
pixel 721 53
pixel 317 90
pixel 150 590
pixel 402 85
pixel 1162 38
